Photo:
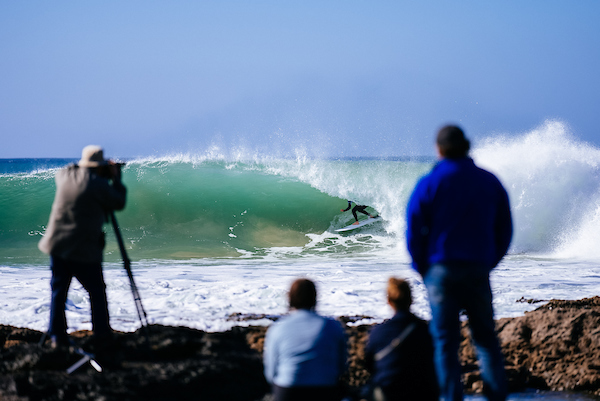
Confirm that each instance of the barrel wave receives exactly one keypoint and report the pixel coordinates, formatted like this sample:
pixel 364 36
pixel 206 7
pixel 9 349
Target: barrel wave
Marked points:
pixel 244 206
pixel 179 209
pixel 182 207
pixel 185 209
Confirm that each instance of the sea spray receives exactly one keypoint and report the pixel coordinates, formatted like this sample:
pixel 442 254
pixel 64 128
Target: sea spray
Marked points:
pixel 553 183
pixel 225 232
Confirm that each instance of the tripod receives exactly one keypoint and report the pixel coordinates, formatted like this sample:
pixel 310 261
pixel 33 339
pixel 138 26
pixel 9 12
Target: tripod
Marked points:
pixel 127 265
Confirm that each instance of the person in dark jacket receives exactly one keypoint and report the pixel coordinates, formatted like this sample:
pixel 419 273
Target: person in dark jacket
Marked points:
pixel 85 193
pixel 459 227
pixel 399 352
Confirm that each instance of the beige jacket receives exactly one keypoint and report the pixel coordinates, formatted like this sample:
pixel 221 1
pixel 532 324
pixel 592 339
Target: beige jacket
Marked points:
pixel 79 211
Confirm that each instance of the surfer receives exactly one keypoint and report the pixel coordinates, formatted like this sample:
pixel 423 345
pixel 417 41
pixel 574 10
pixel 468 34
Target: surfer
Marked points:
pixel 357 208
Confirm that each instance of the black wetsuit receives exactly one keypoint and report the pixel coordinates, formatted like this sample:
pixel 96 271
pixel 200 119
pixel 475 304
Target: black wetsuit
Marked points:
pixel 357 208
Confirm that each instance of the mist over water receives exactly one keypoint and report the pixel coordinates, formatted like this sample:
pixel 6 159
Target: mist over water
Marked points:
pixel 553 183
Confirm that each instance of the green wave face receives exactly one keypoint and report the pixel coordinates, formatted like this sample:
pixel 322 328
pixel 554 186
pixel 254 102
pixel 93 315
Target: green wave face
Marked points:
pixel 187 209
pixel 192 211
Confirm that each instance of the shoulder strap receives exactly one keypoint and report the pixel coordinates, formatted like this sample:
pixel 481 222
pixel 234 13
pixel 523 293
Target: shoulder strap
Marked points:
pixel 395 342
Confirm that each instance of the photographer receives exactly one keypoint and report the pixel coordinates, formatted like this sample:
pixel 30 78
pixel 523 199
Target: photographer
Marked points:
pixel 85 194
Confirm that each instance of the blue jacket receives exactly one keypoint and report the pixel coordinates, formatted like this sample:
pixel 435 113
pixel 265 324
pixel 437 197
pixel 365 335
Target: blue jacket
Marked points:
pixel 458 214
pixel 304 349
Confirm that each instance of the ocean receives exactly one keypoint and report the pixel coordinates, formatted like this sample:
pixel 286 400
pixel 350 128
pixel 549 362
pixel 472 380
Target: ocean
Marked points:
pixel 216 239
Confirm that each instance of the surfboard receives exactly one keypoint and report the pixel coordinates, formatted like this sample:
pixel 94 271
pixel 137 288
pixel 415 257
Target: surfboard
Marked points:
pixel 360 224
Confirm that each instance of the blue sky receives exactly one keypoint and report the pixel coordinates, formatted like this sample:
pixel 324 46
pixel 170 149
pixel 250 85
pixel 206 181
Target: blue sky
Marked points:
pixel 334 78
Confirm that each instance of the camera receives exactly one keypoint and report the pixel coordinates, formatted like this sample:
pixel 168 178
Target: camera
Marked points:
pixel 112 170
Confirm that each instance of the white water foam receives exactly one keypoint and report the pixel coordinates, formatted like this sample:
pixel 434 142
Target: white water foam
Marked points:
pixel 203 294
pixel 553 183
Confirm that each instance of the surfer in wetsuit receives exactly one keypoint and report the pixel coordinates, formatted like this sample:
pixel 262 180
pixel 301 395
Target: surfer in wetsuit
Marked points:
pixel 356 208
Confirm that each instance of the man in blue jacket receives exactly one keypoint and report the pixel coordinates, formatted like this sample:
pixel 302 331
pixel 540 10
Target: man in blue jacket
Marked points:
pixel 459 228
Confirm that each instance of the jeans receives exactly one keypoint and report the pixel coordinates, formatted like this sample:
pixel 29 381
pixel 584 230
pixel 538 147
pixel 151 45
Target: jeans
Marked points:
pixel 450 290
pixel 90 277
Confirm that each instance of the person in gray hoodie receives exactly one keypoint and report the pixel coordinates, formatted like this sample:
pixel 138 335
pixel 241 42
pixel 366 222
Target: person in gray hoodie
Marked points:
pixel 86 193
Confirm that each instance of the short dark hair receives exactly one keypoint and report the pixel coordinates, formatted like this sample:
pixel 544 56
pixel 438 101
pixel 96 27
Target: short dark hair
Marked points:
pixel 303 294
pixel 452 142
pixel 399 293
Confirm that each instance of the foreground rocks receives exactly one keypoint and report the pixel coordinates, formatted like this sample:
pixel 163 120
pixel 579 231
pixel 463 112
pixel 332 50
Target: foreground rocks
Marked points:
pixel 555 347
pixel 177 364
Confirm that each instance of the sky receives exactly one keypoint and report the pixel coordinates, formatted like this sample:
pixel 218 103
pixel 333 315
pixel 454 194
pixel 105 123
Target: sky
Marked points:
pixel 277 77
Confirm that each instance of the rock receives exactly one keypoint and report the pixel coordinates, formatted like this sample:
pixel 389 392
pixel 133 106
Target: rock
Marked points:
pixel 177 363
pixel 555 347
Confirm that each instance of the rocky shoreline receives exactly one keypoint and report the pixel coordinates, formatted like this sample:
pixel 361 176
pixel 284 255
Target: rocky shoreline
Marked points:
pixel 555 347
